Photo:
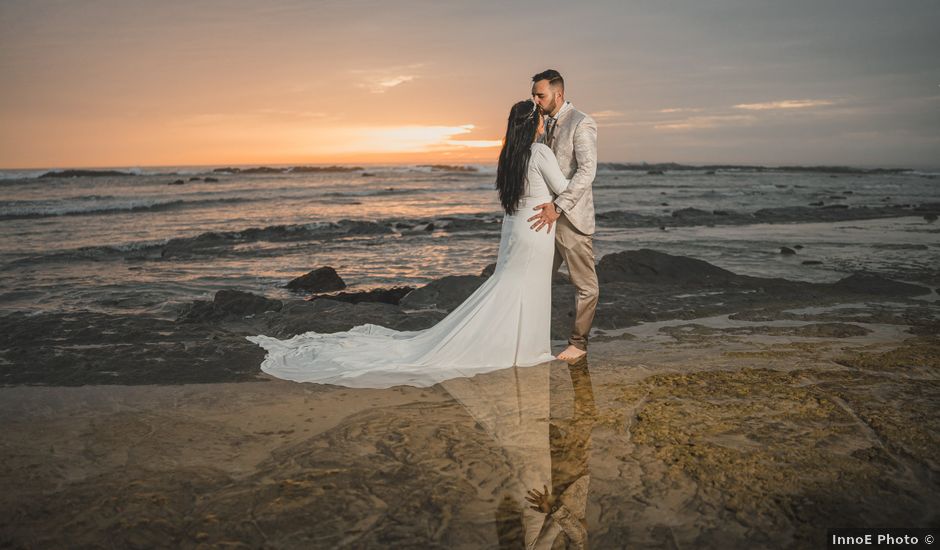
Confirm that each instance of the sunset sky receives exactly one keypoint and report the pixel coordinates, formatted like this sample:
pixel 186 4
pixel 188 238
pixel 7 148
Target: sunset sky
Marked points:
pixel 145 83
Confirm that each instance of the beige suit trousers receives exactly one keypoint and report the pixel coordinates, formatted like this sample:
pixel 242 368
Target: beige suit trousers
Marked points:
pixel 576 249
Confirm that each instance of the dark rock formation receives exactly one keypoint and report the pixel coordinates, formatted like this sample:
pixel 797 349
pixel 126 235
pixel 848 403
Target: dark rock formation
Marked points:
pixel 711 168
pixel 85 173
pixel 211 242
pixel 315 169
pixel 228 304
pixel 99 348
pixel 449 167
pixel 445 293
pixel 384 295
pixel 327 316
pixel 323 279
pixel 864 283
pixel 285 170
pixel 652 267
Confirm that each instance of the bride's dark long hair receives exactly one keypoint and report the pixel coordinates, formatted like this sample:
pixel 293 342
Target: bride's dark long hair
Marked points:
pixel 514 157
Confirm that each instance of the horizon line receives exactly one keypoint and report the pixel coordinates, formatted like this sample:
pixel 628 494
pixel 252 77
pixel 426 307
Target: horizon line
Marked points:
pixel 452 163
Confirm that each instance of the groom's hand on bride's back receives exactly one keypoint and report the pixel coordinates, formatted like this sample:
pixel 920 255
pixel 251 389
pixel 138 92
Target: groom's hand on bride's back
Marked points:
pixel 546 217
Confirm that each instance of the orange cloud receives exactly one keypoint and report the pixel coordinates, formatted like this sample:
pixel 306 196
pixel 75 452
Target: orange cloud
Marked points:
pixel 697 122
pixel 402 139
pixel 785 104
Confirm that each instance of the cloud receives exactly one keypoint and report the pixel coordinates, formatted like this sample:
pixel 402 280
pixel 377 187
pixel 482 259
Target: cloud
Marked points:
pixel 698 122
pixel 680 110
pixel 379 81
pixel 785 104
pixel 383 86
pixel 726 117
pixel 475 143
pixel 653 119
pixel 606 114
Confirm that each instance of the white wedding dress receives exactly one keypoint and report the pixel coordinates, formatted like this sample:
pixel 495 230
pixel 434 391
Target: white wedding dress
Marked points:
pixel 506 322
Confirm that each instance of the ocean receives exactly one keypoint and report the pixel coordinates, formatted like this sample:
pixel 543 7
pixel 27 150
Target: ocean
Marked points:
pixel 139 242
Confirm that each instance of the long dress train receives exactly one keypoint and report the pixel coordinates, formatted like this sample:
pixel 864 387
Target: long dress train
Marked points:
pixel 504 323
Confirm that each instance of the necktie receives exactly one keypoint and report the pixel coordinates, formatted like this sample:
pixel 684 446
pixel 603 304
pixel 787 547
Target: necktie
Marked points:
pixel 549 130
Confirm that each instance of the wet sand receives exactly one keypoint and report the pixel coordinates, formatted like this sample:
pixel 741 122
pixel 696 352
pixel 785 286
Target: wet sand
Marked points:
pixel 715 411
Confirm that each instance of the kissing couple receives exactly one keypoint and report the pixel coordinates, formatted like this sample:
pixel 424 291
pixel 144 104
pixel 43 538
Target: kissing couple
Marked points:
pixel 547 166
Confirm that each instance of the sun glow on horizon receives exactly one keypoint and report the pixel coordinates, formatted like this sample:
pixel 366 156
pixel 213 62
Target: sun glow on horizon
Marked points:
pixel 247 139
pixel 403 139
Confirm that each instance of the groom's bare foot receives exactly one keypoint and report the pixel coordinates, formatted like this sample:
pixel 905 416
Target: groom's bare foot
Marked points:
pixel 571 354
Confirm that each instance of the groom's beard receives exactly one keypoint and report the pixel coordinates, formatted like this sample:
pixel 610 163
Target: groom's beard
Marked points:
pixel 550 108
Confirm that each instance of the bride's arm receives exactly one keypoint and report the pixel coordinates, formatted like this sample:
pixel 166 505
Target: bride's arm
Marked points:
pixel 551 173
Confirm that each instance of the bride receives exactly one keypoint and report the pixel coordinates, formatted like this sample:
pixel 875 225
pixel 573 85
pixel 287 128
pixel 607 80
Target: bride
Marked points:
pixel 504 323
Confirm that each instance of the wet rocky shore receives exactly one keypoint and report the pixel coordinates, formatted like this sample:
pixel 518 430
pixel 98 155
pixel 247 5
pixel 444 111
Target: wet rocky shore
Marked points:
pixel 205 342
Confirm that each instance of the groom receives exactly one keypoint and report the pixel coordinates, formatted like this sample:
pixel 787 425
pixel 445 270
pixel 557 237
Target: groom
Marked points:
pixel 572 135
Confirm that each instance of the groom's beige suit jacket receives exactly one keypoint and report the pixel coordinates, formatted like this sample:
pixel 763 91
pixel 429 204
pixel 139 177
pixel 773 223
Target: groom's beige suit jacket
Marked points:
pixel 574 142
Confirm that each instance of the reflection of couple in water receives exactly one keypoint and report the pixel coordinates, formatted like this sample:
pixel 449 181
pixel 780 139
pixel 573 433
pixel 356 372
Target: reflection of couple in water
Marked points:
pixel 544 433
pixel 565 504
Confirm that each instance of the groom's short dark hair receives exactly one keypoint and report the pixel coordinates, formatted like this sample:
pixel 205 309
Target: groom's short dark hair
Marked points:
pixel 552 76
